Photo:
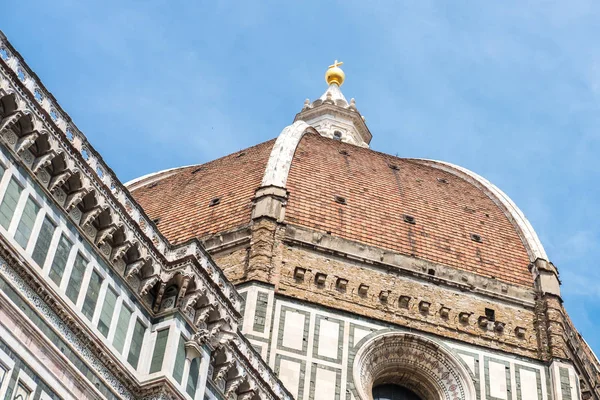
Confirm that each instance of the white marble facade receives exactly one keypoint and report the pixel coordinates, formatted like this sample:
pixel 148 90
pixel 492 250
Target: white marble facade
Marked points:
pixel 312 348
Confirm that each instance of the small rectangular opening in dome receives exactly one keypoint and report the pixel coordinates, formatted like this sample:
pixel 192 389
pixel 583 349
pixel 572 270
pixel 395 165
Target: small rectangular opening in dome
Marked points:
pixel 340 199
pixel 476 238
pixel 409 218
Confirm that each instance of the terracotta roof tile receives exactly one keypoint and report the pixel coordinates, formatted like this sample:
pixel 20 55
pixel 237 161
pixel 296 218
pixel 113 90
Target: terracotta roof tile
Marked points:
pixel 181 200
pixel 377 197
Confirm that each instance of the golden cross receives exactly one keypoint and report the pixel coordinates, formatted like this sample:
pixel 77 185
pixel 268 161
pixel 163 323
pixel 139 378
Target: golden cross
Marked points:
pixel 336 64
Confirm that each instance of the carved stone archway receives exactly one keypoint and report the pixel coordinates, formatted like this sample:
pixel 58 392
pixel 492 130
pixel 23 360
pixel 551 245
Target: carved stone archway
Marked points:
pixel 428 368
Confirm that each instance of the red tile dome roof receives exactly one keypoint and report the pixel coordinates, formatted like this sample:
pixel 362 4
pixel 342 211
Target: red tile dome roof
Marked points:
pixel 413 207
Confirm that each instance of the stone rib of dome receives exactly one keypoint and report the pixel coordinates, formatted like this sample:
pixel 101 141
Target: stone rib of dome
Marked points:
pixel 181 200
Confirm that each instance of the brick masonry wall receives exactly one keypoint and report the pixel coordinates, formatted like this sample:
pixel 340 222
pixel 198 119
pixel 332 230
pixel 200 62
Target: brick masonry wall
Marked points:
pixel 272 260
pixel 412 316
pixel 234 263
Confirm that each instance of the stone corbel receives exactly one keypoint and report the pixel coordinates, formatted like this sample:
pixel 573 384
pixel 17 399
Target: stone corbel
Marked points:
pixel 190 300
pixel 89 216
pixel 105 234
pixel 43 161
pixel 182 289
pixel 248 395
pixel 201 337
pixel 215 326
pixel 148 284
pixel 75 198
pixel 135 267
pixel 202 315
pixel 58 180
pixel 159 296
pixel 232 385
pixel 120 250
pixel 7 123
pixel 221 370
pixel 26 141
pixel 217 334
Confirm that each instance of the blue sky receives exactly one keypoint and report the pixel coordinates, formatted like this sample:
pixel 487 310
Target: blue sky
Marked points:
pixel 510 90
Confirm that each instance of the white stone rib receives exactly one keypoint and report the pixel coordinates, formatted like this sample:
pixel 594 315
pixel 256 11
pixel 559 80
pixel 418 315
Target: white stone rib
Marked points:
pixel 280 160
pixel 133 184
pixel 514 214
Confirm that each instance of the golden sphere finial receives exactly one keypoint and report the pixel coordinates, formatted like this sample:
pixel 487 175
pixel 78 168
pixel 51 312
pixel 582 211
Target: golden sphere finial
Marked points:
pixel 335 74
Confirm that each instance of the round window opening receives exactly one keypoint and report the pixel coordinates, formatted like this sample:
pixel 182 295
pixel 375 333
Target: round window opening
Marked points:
pixel 393 392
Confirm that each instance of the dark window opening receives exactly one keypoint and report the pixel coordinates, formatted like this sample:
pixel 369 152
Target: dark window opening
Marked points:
pixel 337 135
pixel 197 170
pixel 214 201
pixel 409 218
pixel 490 314
pixel 393 392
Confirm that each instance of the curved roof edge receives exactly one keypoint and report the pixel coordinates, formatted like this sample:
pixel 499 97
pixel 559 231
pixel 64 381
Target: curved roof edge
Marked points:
pixel 534 247
pixel 136 183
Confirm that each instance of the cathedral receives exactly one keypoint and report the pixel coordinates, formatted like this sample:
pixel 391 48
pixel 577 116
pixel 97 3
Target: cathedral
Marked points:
pixel 307 267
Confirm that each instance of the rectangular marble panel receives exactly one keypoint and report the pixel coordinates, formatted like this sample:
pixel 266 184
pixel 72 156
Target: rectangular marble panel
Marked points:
pixel 289 373
pixel 529 384
pixel 359 334
pixel 497 380
pixel 325 381
pixel 329 338
pixel 470 361
pixel 293 330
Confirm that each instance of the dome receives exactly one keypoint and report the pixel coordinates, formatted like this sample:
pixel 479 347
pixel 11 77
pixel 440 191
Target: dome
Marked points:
pixel 423 209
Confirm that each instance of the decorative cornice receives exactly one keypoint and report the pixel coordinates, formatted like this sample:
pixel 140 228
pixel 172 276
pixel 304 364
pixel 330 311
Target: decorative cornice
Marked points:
pixel 68 158
pixel 42 137
pixel 389 261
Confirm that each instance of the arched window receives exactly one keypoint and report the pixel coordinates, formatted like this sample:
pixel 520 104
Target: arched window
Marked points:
pixel 192 382
pixel 393 392
pixel 394 365
pixel 337 135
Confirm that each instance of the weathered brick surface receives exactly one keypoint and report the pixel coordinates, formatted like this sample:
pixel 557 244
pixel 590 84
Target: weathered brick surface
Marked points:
pixel 181 201
pixel 377 196
pixel 370 305
pixel 265 236
pixel 234 263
